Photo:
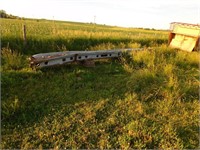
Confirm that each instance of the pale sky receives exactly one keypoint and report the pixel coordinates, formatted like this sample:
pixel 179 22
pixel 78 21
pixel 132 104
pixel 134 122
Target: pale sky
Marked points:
pixel 126 13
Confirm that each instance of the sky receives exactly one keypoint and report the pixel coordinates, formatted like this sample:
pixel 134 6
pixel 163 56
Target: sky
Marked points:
pixel 156 14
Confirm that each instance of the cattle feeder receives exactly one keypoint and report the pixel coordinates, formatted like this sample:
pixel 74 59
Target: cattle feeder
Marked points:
pixel 184 36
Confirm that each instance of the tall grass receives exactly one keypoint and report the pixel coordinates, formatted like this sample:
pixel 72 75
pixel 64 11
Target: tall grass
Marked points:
pixel 12 60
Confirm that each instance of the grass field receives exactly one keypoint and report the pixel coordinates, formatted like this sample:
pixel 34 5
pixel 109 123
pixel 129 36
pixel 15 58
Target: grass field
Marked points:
pixel 148 99
pixel 46 36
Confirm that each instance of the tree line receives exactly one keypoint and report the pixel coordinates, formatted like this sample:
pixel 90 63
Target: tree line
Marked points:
pixel 3 14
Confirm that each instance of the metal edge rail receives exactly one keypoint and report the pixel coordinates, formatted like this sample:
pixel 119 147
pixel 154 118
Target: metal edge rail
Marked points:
pixel 59 58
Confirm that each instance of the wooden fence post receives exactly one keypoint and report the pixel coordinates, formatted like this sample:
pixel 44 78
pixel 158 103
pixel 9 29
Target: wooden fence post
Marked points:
pixel 24 34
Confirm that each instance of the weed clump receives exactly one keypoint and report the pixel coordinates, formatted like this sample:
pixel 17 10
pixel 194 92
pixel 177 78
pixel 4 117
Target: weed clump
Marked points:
pixel 12 60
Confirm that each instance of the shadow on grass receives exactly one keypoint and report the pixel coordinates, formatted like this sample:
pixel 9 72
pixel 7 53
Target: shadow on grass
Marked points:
pixel 29 96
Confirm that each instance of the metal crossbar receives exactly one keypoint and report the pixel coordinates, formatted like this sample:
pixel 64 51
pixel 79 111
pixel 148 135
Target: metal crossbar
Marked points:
pixel 59 58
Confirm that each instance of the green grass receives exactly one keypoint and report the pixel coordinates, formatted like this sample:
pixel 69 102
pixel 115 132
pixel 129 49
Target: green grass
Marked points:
pixel 145 100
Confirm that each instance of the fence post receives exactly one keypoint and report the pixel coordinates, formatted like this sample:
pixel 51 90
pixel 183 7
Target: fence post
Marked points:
pixel 24 35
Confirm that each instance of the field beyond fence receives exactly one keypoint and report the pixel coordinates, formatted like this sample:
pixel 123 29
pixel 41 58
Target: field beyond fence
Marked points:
pixel 47 36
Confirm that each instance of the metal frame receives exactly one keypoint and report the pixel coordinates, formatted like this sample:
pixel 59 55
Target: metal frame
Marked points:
pixel 60 58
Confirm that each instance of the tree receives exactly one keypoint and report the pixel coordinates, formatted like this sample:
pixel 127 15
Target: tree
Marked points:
pixel 3 14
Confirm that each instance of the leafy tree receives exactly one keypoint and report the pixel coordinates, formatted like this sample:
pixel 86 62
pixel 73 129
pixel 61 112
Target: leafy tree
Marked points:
pixel 3 14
